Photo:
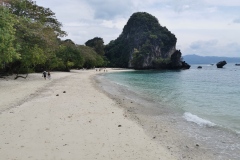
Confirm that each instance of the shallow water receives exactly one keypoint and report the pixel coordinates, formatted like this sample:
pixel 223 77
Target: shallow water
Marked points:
pixel 209 93
pixel 206 100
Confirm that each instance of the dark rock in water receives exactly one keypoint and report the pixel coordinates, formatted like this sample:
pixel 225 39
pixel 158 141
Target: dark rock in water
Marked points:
pixel 64 91
pixel 199 67
pixel 119 125
pixel 221 64
pixel 57 95
pixel 176 61
pixel 237 64
pixel 185 65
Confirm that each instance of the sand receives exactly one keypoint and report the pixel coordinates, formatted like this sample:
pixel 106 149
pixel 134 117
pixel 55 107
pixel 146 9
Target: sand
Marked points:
pixel 83 123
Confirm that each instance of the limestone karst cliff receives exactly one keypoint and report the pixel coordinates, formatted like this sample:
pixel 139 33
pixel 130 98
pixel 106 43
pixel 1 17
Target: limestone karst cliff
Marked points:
pixel 143 44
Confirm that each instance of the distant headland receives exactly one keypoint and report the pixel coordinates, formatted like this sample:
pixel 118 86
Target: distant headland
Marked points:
pixel 196 59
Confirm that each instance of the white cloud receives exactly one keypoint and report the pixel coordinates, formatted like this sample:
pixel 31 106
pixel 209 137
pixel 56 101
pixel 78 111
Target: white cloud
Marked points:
pixel 222 2
pixel 214 48
pixel 119 23
pixel 203 44
pixel 109 9
pixel 191 21
pixel 237 20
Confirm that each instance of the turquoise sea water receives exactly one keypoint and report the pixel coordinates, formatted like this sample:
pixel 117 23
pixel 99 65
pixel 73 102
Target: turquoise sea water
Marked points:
pixel 207 97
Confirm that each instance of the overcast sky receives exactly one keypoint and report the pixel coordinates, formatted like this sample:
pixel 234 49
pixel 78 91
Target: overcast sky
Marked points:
pixel 202 27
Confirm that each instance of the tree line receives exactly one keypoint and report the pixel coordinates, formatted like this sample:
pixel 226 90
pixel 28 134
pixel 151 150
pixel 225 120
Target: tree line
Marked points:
pixel 30 41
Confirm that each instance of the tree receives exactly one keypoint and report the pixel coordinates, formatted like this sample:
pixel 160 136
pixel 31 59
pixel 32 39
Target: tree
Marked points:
pixel 37 31
pixel 32 45
pixel 8 50
pixel 97 44
pixel 29 9
pixel 91 58
pixel 69 55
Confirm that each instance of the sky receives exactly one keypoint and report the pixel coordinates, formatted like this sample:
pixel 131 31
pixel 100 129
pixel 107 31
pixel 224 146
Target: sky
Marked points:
pixel 202 27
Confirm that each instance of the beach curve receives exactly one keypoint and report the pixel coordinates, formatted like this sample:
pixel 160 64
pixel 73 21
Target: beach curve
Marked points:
pixel 82 123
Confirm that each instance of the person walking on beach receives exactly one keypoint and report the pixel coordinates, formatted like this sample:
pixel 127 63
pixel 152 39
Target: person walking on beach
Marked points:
pixel 44 74
pixel 49 75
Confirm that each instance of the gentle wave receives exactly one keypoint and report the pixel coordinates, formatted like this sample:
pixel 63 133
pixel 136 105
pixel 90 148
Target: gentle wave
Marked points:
pixel 201 122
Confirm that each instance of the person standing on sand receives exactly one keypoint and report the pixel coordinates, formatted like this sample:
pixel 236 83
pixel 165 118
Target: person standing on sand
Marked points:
pixel 44 74
pixel 49 75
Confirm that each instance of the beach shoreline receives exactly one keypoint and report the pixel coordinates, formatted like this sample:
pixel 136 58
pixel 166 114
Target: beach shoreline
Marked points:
pixel 168 125
pixel 155 122
pixel 95 117
pixel 68 118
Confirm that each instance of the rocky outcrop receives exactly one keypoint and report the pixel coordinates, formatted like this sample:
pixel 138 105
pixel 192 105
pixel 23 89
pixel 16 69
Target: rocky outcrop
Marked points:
pixel 221 64
pixel 185 65
pixel 176 61
pixel 144 44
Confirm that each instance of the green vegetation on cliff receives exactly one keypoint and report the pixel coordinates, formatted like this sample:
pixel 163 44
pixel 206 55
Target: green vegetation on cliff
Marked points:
pixel 142 41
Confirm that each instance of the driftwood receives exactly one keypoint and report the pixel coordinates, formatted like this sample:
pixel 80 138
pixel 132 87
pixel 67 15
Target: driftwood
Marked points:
pixel 17 76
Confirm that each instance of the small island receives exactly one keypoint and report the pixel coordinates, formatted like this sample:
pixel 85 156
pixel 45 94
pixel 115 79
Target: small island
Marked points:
pixel 145 44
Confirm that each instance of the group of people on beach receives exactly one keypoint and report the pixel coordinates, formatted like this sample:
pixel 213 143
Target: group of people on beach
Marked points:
pixel 104 69
pixel 46 75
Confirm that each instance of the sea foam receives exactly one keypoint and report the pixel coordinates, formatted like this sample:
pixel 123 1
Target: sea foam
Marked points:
pixel 201 122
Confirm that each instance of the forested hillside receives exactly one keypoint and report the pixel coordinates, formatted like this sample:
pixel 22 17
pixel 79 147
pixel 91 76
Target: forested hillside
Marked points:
pixel 30 40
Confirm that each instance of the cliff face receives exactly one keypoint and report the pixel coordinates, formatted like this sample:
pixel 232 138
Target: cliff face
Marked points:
pixel 143 43
pixel 149 58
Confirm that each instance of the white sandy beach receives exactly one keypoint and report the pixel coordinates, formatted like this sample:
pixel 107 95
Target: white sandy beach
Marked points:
pixel 81 124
